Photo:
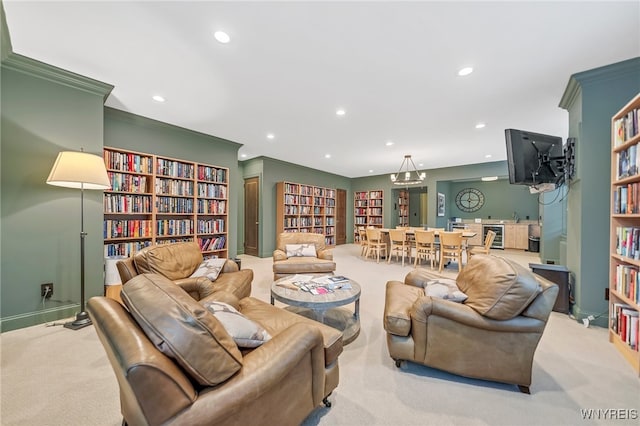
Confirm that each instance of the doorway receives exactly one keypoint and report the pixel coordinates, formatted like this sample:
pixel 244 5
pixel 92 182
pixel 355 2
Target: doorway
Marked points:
pixel 341 216
pixel 251 216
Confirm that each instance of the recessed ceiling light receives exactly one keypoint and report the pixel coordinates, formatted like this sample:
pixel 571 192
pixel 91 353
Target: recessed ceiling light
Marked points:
pixel 480 125
pixel 420 164
pixel 488 156
pixel 270 136
pixel 465 71
pixel 340 112
pixel 158 98
pixel 370 171
pixel 489 178
pixel 327 156
pixel 243 155
pixel 222 37
pixel 389 143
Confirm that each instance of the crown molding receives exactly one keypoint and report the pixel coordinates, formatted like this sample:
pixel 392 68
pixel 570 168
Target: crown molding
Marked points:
pixel 38 69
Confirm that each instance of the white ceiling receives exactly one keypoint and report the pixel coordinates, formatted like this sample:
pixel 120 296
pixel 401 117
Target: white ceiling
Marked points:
pixel 391 65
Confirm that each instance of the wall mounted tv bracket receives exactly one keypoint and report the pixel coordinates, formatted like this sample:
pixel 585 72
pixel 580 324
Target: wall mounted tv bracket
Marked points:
pixel 564 165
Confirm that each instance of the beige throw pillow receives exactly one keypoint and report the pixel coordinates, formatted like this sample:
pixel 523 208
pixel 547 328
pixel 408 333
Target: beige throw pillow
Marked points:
pixel 210 268
pixel 246 333
pixel 301 250
pixel 444 288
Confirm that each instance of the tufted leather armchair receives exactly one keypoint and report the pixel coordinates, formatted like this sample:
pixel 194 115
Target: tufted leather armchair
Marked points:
pixel 283 265
pixel 177 262
pixel 492 335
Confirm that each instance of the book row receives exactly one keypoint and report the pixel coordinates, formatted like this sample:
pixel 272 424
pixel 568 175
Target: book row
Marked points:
pixel 170 227
pixel 212 244
pixel 211 226
pixel 212 207
pixel 180 188
pixel 627 281
pixel 628 241
pixel 127 162
pixel 125 249
pixel 626 127
pixel 212 174
pixel 132 228
pixel 210 190
pixel 627 162
pixel 174 168
pixel 123 203
pixel 624 322
pixel 174 205
pixel 626 199
pixel 128 183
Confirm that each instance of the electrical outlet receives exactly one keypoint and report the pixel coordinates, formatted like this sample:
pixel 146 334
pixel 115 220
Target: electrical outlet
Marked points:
pixel 46 290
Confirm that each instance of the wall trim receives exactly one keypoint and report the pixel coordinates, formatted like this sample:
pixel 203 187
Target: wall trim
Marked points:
pixel 29 319
pixel 44 71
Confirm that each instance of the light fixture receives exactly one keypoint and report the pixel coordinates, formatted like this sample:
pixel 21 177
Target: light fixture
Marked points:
pixel 270 136
pixel 408 177
pixel 79 170
pixel 327 156
pixel 465 71
pixel 340 112
pixel 489 178
pixel 480 125
pixel 222 37
pixel 158 98
pixel 488 156
pixel 389 143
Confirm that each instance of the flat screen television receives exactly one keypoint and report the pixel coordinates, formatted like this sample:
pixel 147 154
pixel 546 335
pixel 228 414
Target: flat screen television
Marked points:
pixel 534 159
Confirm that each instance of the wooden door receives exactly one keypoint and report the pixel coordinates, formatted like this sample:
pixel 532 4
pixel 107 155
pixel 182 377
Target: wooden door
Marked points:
pixel 341 216
pixel 251 222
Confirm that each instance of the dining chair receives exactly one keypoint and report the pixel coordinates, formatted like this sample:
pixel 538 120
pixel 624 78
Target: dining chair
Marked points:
pixel 375 243
pixel 364 244
pixel 398 244
pixel 425 247
pixel 451 248
pixel 485 249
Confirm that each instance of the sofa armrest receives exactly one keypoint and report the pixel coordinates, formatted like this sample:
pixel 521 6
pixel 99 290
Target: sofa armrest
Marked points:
pixel 197 287
pixel 279 255
pixel 230 266
pixel 326 254
pixel 460 313
pixel 399 301
pixel 420 277
pixel 264 371
pixel 222 296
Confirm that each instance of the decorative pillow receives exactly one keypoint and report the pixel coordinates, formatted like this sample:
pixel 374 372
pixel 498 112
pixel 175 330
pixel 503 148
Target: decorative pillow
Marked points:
pixel 497 288
pixel 210 268
pixel 246 333
pixel 444 288
pixel 301 250
pixel 182 329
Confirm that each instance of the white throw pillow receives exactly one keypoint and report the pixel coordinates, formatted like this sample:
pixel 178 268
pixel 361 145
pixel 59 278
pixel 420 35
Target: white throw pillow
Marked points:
pixel 210 268
pixel 246 333
pixel 301 250
pixel 444 288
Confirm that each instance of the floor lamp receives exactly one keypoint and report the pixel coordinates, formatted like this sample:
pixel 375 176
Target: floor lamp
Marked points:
pixel 81 170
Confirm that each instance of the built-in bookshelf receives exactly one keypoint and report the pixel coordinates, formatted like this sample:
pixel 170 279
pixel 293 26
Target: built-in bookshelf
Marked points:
pixel 403 207
pixel 368 207
pixel 158 200
pixel 624 279
pixel 306 208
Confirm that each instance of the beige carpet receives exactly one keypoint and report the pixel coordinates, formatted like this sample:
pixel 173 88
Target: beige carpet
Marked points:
pixel 54 376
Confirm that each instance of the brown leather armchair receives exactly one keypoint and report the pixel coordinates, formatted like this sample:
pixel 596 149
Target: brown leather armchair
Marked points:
pixel 492 335
pixel 281 381
pixel 283 265
pixel 177 262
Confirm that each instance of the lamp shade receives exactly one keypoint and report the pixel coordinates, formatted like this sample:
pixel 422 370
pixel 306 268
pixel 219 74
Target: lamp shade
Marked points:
pixel 74 169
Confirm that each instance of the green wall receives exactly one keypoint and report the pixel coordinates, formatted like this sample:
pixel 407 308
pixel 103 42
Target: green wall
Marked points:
pixel 136 133
pixel 273 171
pixel 592 98
pixel 501 200
pixel 44 111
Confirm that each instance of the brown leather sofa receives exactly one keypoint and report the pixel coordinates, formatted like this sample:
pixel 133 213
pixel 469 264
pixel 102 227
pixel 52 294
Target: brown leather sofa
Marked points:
pixel 492 335
pixel 177 262
pixel 283 265
pixel 280 382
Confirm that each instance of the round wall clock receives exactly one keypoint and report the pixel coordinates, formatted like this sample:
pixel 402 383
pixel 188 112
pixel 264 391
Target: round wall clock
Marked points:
pixel 469 200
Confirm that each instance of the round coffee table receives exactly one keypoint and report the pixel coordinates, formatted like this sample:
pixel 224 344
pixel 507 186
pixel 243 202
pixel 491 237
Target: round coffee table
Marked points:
pixel 324 308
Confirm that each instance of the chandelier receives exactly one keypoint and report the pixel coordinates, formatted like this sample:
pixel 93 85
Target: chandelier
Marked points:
pixel 408 177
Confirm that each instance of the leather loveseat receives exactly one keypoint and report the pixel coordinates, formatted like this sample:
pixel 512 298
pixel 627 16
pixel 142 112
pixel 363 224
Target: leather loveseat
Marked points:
pixel 175 363
pixel 178 261
pixel 492 335
pixel 319 261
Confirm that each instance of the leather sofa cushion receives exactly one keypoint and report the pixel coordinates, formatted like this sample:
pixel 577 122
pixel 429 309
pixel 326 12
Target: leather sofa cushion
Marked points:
pixel 304 265
pixel 496 287
pixel 275 320
pixel 173 261
pixel 399 301
pixel 182 329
